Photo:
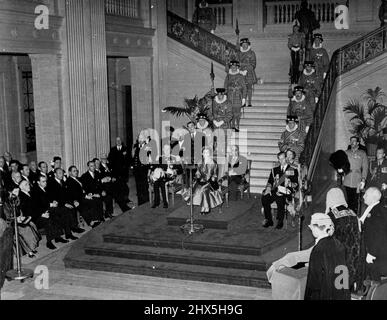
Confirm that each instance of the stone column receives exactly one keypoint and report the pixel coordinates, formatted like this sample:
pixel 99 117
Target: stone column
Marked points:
pixel 160 62
pixel 141 70
pixel 87 75
pixel 260 9
pixel 48 106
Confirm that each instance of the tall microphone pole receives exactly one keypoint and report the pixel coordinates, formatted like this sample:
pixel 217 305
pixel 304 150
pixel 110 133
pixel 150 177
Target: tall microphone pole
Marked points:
pixel 18 274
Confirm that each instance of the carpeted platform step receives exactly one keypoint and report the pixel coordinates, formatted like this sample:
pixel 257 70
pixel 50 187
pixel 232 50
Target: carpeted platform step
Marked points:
pixel 169 270
pixel 173 244
pixel 181 256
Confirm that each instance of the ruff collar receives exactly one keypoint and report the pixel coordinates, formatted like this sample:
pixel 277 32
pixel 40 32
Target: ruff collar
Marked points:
pixel 247 50
pixel 296 100
pixel 309 74
pixel 220 101
pixel 291 130
pixel 201 6
pixel 315 47
pixel 202 128
pixel 234 73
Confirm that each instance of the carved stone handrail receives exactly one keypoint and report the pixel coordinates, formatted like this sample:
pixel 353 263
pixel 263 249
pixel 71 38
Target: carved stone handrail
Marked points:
pixel 343 60
pixel 123 8
pixel 283 12
pixel 200 39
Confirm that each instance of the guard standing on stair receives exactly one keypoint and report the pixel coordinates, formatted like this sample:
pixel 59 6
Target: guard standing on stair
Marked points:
pixel 312 83
pixel 248 63
pixel 292 138
pixel 299 106
pixel 236 90
pixel 282 184
pixel 319 56
pixel 204 17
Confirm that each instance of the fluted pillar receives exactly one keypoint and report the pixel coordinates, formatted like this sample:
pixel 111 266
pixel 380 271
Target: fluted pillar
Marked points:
pixel 48 105
pixel 87 79
pixel 143 113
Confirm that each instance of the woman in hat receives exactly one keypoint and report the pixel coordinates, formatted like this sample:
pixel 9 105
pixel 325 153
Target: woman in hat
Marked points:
pixel 299 106
pixel 248 63
pixel 311 83
pixel 296 45
pixel 347 232
pixel 206 193
pixel 319 56
pixel 327 255
pixel 236 90
pixel 292 138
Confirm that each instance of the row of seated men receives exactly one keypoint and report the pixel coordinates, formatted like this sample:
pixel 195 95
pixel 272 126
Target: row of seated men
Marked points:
pixel 52 200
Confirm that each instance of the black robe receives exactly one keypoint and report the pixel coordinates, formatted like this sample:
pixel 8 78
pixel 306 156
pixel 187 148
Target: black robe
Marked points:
pixel 328 254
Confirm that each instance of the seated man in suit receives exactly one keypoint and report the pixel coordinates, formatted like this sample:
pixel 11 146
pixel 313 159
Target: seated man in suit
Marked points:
pixel 57 192
pixel 92 185
pixel 116 188
pixel 107 186
pixel 237 166
pixel 282 184
pixel 46 215
pixel 374 228
pixel 89 208
pixel 43 169
pixel 166 170
pixel 56 164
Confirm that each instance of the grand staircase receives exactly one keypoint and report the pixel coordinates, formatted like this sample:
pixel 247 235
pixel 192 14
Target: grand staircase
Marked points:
pixel 264 123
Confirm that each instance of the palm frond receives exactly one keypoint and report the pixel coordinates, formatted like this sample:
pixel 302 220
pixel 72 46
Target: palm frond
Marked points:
pixel 376 107
pixel 176 111
pixel 378 116
pixel 354 106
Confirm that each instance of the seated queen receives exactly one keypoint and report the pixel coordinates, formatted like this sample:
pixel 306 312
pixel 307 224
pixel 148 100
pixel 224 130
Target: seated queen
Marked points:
pixel 206 193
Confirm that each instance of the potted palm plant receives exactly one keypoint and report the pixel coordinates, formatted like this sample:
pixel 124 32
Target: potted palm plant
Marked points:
pixel 368 117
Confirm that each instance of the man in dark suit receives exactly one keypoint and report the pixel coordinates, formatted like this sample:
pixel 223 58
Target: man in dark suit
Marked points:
pixel 89 208
pixel 378 173
pixel 374 227
pixel 45 214
pixel 107 186
pixel 57 193
pixel 119 159
pixel 194 142
pixel 282 184
pixel 92 186
pixel 113 187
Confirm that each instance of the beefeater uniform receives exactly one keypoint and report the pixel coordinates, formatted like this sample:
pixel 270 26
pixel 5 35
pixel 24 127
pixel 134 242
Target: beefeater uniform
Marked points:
pixel 303 110
pixel 236 89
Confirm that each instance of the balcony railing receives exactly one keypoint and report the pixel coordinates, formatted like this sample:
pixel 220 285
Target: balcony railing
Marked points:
pixel 223 13
pixel 343 60
pixel 123 8
pixel 200 40
pixel 283 12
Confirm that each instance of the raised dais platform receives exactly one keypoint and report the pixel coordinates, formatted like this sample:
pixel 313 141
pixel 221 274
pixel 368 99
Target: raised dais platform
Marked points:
pixel 216 219
pixel 144 242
